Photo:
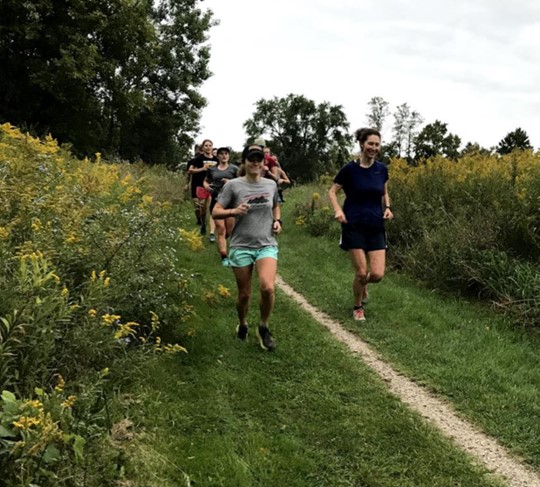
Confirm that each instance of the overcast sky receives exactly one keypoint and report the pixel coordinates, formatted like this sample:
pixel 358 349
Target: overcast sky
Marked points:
pixel 473 64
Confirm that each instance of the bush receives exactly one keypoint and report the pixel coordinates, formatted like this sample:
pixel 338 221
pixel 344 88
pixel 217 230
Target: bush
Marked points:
pixel 90 268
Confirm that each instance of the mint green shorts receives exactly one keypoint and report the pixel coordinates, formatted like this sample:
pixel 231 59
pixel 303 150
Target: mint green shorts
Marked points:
pixel 242 257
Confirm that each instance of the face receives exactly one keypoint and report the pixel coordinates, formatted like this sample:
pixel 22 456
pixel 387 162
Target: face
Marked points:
pixel 254 165
pixel 371 146
pixel 266 151
pixel 207 147
pixel 223 156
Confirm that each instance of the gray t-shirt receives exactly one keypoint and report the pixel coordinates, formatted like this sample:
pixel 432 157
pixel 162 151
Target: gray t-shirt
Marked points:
pixel 254 229
pixel 217 176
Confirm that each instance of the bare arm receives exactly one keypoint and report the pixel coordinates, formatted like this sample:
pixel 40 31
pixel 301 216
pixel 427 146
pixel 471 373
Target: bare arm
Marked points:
pixel 219 213
pixel 332 196
pixel 387 212
pixel 276 213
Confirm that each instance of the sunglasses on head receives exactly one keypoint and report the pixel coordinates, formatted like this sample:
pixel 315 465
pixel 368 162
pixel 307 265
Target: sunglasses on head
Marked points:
pixel 255 159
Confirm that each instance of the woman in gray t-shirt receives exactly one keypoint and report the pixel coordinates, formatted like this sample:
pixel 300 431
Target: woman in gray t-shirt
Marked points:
pixel 216 178
pixel 253 201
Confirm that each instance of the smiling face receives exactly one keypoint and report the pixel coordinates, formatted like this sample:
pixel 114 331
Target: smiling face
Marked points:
pixel 254 165
pixel 371 146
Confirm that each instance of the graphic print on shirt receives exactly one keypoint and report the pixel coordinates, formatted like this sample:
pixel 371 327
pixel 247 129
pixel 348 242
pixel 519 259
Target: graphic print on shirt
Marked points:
pixel 258 199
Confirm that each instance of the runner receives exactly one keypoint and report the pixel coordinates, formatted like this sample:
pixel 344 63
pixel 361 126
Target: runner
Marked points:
pixel 253 201
pixel 190 186
pixel 366 207
pixel 216 178
pixel 197 168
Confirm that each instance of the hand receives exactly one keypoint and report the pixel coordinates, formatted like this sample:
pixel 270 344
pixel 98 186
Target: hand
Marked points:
pixel 276 227
pixel 388 215
pixel 340 216
pixel 242 209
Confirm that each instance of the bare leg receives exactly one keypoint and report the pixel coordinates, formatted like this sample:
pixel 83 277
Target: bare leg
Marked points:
pixel 266 270
pixel 243 283
pixel 221 237
pixel 359 260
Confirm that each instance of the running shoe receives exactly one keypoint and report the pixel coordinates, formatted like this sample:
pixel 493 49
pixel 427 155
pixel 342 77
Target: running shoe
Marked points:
pixel 212 238
pixel 358 314
pixel 242 332
pixel 225 262
pixel 265 338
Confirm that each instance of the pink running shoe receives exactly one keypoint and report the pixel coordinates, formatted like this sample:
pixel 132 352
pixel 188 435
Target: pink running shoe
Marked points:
pixel 358 314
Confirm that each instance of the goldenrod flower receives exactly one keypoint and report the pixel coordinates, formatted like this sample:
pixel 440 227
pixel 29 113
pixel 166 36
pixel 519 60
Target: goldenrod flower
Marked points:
pixel 69 402
pixel 223 291
pixel 24 423
pixel 60 385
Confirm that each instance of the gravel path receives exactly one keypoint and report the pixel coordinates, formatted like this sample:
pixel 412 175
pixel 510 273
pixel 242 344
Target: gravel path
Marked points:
pixel 485 449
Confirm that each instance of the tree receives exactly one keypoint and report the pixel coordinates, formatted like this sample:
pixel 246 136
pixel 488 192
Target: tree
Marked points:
pixel 114 76
pixel 518 139
pixel 401 116
pixel 475 148
pixel 433 140
pixel 406 123
pixel 378 112
pixel 311 138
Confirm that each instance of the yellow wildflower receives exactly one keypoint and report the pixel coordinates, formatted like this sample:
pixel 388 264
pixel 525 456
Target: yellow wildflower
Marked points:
pixel 60 385
pixel 193 239
pixel 92 313
pixel 223 291
pixel 315 196
pixel 155 321
pixel 174 348
pixel 34 403
pixel 108 319
pixel 106 282
pixel 69 402
pixel 124 330
pixel 147 199
pixel 64 292
pixel 26 422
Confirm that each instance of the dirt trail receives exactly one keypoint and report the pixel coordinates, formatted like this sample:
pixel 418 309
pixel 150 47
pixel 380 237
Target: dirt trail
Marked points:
pixel 485 449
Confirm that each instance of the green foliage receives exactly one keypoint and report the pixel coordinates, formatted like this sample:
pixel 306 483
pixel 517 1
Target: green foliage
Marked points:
pixel 518 139
pixel 433 140
pixel 90 269
pixel 311 139
pixel 469 226
pixel 119 77
pixel 317 216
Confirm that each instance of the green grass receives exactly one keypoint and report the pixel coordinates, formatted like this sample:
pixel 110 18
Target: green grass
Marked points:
pixel 309 414
pixel 485 365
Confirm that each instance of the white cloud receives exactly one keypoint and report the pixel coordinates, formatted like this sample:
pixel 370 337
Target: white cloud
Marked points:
pixel 474 65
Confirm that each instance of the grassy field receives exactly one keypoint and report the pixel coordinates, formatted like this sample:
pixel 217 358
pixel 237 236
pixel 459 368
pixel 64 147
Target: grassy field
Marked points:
pixel 310 414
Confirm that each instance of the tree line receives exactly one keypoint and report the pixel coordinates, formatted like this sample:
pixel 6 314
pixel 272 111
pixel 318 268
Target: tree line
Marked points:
pixel 314 138
pixel 119 77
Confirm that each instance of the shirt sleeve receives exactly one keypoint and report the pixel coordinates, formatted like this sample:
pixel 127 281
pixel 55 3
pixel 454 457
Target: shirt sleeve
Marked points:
pixel 341 176
pixel 225 197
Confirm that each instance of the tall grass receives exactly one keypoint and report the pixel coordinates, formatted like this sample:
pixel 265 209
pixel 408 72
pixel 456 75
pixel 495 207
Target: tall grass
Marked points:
pixel 470 226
